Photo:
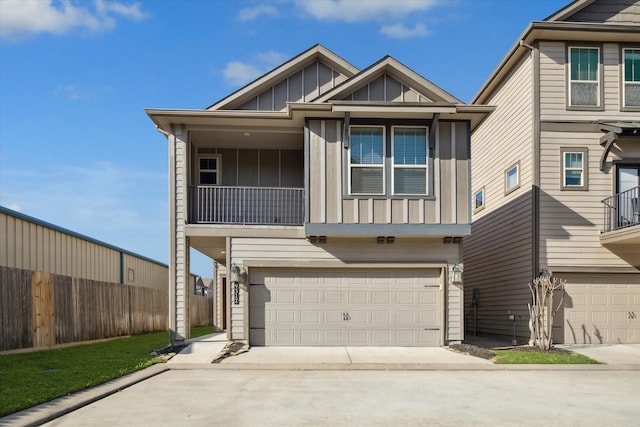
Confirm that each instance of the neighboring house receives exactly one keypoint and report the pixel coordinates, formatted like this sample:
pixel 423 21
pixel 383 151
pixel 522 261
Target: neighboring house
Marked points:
pixel 335 200
pixel 31 244
pixel 555 177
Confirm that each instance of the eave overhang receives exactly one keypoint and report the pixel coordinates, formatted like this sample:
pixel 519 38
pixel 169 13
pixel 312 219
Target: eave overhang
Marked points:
pixel 293 117
pixel 554 31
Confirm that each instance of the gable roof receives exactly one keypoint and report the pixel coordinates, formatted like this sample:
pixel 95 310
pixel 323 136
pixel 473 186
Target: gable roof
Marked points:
pixel 390 66
pixel 570 9
pixel 315 53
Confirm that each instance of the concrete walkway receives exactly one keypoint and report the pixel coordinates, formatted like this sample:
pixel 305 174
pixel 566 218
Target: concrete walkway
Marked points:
pixel 611 354
pixel 202 349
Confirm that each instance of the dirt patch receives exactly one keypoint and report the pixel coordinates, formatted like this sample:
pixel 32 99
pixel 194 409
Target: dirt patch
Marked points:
pixel 166 353
pixel 473 350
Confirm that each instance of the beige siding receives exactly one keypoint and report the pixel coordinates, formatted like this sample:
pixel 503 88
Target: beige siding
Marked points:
pixel 386 88
pixel 612 11
pixel 450 174
pixel 571 221
pixel 506 137
pixel 498 259
pixel 302 86
pixel 146 274
pixel 455 310
pixel 553 85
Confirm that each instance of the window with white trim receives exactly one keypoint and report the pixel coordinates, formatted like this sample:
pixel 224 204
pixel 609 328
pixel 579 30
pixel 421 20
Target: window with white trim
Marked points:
pixel 574 168
pixel 478 200
pixel 410 155
pixel 366 160
pixel 584 76
pixel 512 178
pixel 209 170
pixel 631 77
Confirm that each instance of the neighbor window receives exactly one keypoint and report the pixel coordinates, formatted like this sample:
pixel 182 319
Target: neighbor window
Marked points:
pixel 366 161
pixel 631 77
pixel 584 76
pixel 478 200
pixel 409 160
pixel 512 178
pixel 574 169
pixel 209 172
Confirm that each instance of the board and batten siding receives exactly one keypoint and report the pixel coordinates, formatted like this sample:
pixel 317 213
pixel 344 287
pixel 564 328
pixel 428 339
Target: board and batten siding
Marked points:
pixel 33 246
pixel 302 86
pixel 571 221
pixel 327 182
pixel 493 152
pixel 338 252
pixel 553 84
pixel 611 11
pixel 499 262
pixel 386 89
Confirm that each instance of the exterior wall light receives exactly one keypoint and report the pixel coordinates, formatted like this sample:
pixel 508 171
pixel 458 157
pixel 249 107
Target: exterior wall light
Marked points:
pixel 456 275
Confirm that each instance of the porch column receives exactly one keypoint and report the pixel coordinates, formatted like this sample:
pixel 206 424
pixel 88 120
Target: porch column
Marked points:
pixel 179 287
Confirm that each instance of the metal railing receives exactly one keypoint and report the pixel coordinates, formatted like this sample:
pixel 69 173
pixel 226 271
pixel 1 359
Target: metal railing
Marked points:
pixel 246 205
pixel 622 210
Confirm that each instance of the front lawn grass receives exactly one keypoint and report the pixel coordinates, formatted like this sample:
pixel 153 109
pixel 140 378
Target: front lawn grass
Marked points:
pixel 28 379
pixel 540 357
pixel 199 331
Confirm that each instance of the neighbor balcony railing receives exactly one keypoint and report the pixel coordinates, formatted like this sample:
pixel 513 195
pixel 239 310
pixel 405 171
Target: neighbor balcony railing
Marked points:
pixel 246 205
pixel 622 210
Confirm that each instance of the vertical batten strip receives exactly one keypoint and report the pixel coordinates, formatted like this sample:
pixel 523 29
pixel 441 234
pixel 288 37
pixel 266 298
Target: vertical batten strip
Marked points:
pixel 323 171
pixel 454 169
pixel 436 177
pixel 338 188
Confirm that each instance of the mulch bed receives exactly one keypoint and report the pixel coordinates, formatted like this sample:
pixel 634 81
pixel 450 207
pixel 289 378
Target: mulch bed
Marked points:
pixel 486 353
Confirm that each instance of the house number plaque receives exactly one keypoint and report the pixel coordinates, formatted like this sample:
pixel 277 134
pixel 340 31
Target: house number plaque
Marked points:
pixel 236 293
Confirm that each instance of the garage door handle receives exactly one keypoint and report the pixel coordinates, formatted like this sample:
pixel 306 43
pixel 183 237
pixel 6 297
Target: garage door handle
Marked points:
pixel 346 317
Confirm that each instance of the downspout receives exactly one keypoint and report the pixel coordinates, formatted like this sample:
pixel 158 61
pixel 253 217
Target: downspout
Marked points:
pixel 535 188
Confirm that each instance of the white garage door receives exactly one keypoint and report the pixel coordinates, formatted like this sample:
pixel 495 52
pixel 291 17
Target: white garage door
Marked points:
pixel 600 309
pixel 350 307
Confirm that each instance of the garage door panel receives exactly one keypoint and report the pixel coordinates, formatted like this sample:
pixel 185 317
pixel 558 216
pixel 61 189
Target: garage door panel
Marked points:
pixel 598 310
pixel 350 307
pixel 309 297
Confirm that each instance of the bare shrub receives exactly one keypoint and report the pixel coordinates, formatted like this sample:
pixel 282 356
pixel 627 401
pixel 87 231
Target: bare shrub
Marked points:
pixel 542 309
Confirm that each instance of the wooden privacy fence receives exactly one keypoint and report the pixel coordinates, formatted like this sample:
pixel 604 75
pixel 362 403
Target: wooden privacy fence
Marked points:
pixel 200 310
pixel 38 310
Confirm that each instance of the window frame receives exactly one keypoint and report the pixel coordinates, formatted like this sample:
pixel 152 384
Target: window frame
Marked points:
pixel 474 200
pixel 599 74
pixel 623 81
pixel 217 170
pixel 508 190
pixel 368 165
pixel 584 151
pixel 425 166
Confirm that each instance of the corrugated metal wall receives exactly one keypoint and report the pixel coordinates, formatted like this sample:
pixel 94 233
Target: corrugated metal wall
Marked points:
pixel 30 244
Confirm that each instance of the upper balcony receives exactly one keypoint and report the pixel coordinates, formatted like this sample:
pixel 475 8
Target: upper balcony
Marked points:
pixel 246 205
pixel 621 234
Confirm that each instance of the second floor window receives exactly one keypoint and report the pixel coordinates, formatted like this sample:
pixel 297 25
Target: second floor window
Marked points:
pixel 584 77
pixel 512 178
pixel 631 77
pixel 209 170
pixel 367 160
pixel 409 160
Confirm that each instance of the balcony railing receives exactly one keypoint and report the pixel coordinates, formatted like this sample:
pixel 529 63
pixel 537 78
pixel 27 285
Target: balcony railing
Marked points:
pixel 246 205
pixel 622 210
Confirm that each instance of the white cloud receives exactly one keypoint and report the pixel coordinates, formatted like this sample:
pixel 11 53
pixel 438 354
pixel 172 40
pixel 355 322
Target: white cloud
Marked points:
pixel 15 207
pixel 400 31
pixel 238 73
pixel 357 10
pixel 252 13
pixel 20 18
pixel 272 58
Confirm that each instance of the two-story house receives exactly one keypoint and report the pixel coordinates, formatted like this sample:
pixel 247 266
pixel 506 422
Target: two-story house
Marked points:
pixel 555 177
pixel 335 200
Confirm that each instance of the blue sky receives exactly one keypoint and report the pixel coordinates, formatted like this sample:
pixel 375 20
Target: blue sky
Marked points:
pixel 76 147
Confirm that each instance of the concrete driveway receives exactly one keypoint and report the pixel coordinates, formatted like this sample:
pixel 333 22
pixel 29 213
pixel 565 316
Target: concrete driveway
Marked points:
pixel 369 398
pixel 611 354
